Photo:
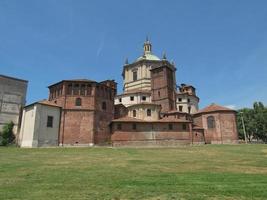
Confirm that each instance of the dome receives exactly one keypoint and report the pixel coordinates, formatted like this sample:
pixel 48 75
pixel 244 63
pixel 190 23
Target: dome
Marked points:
pixel 148 56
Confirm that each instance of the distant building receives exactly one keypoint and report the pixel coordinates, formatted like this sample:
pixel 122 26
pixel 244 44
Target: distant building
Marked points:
pixel 150 111
pixel 40 125
pixel 186 99
pixel 219 124
pixel 12 100
pixel 86 110
pixel 138 80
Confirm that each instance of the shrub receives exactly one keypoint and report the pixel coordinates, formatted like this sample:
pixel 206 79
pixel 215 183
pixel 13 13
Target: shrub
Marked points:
pixel 7 135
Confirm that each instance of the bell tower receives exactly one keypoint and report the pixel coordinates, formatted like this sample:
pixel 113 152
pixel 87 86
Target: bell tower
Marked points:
pixel 163 88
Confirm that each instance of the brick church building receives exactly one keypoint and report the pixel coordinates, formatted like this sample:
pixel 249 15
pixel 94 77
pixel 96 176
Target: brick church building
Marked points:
pixel 151 111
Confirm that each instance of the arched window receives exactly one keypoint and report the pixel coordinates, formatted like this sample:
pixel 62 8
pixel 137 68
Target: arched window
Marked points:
pixel 78 102
pixel 134 113
pixel 211 122
pixel 148 112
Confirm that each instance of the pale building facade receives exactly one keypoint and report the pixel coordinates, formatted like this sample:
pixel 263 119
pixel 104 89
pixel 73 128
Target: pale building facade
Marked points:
pixel 137 83
pixel 135 97
pixel 12 100
pixel 40 125
pixel 144 111
pixel 186 99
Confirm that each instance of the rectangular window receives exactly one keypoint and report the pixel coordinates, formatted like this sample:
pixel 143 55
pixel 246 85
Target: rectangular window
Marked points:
pixel 189 109
pixel 134 126
pixel 170 127
pixel 89 90
pixel 180 99
pixel 188 100
pixel 119 99
pixel 82 89
pixel 104 106
pixel 69 91
pixel 184 127
pixel 131 98
pixel 134 75
pixel 49 121
pixel 118 126
pixel 76 89
pixel 144 98
pixel 148 112
pixel 181 108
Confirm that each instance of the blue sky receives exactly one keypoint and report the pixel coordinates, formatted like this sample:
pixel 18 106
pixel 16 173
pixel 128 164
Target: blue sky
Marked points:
pixel 220 47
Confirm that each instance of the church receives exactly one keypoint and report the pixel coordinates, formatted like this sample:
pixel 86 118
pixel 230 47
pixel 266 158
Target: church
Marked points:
pixel 151 111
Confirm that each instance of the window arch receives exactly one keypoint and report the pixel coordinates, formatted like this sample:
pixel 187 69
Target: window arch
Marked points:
pixel 148 112
pixel 134 113
pixel 211 122
pixel 78 102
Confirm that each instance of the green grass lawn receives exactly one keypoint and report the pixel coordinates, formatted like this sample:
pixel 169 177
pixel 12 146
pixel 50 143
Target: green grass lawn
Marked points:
pixel 191 172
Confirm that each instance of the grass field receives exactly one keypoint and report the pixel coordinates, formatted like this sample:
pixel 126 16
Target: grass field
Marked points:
pixel 198 172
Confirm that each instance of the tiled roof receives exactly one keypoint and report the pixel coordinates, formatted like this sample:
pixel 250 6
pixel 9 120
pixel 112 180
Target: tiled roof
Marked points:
pixel 174 111
pixel 144 103
pixel 48 103
pixel 44 102
pixel 127 119
pixel 213 108
pixel 164 120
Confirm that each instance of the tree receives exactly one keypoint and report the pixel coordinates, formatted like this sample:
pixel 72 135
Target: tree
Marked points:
pixel 255 121
pixel 260 117
pixel 7 134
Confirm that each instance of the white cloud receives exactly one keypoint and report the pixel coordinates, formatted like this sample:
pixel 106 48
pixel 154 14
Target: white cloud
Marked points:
pixel 231 106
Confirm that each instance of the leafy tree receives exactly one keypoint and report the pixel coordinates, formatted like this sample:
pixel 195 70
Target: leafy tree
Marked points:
pixel 255 120
pixel 7 134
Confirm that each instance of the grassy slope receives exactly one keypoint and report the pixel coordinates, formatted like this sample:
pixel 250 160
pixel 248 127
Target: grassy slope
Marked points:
pixel 200 172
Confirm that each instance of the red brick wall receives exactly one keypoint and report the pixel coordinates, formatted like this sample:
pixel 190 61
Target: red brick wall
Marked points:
pixel 163 91
pixel 77 127
pixel 225 130
pixel 228 127
pixel 198 136
pixel 148 133
pixel 88 123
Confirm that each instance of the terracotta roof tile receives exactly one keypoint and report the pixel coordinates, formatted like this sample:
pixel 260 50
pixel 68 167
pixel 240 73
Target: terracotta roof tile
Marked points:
pixel 131 119
pixel 213 108
pixel 127 119
pixel 144 103
pixel 48 103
